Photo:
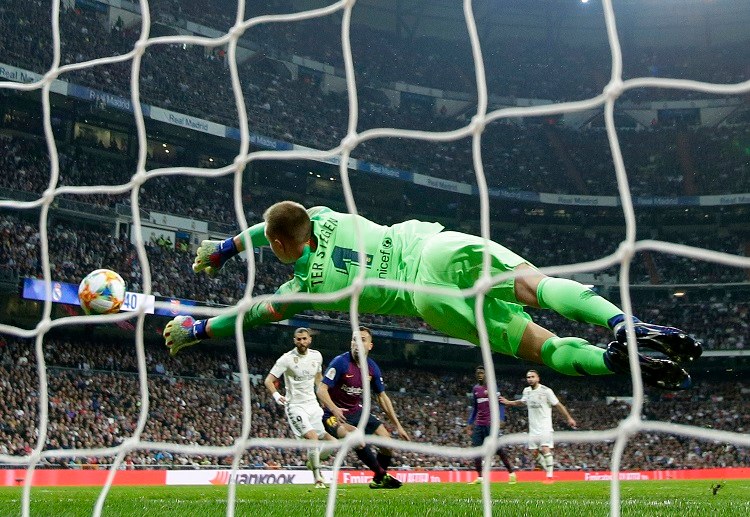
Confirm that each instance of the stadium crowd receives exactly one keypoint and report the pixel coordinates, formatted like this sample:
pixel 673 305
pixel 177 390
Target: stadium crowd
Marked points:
pixel 195 399
pixel 554 69
pixel 660 160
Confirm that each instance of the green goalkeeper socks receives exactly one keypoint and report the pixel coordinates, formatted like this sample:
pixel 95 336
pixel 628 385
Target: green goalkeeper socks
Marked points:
pixel 574 301
pixel 574 356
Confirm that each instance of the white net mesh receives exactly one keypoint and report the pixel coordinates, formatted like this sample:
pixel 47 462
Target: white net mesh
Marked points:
pixel 623 256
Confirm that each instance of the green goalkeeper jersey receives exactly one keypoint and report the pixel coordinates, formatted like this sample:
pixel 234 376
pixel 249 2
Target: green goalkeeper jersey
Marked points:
pixel 412 253
pixel 391 253
pixel 332 264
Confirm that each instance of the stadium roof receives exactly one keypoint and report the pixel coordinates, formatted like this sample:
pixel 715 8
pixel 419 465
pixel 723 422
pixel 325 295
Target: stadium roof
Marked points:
pixel 648 22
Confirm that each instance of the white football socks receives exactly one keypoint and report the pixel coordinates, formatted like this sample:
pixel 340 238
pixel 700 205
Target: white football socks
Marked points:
pixel 550 463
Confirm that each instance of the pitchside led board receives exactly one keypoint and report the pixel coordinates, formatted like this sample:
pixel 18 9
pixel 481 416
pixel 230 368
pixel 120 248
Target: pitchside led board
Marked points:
pixel 63 292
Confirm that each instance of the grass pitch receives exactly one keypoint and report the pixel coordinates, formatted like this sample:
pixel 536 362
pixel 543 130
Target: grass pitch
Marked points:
pixel 575 499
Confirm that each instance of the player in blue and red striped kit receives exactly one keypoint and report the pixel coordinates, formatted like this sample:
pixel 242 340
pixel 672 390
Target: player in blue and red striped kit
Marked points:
pixel 340 392
pixel 479 424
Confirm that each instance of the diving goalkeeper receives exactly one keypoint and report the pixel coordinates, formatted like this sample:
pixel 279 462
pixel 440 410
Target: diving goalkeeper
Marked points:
pixel 322 245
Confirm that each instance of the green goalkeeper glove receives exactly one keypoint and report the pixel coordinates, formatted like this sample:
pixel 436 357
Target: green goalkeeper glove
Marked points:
pixel 212 255
pixel 180 333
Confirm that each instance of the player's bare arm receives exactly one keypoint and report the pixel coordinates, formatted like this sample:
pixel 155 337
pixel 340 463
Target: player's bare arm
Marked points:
pixel 318 381
pixel 325 398
pixel 512 403
pixel 384 401
pixel 564 412
pixel 270 383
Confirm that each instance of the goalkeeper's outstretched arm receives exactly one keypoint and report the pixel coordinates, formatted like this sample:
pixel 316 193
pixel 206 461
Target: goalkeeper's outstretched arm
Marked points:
pixel 184 331
pixel 212 255
pixel 260 313
pixel 293 230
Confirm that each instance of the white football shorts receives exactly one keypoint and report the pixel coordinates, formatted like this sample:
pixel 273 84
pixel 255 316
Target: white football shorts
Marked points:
pixel 303 419
pixel 541 440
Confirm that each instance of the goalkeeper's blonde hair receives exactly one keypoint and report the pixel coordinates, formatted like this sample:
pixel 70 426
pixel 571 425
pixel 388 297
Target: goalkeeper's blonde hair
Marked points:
pixel 288 220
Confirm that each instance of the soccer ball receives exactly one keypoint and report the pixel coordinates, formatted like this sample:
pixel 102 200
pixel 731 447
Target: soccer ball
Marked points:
pixel 101 292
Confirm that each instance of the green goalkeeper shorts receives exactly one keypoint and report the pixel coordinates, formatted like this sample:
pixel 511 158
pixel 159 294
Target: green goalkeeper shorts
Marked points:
pixel 453 261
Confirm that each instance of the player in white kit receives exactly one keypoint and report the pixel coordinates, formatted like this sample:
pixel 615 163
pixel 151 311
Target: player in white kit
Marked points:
pixel 539 400
pixel 302 370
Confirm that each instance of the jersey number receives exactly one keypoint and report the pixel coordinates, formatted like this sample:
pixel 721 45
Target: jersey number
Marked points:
pixel 342 257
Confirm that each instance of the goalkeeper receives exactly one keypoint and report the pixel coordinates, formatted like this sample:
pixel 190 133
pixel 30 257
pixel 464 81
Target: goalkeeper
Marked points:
pixel 322 245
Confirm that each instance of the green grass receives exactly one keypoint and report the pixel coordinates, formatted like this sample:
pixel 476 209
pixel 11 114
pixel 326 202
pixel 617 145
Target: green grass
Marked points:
pixel 575 499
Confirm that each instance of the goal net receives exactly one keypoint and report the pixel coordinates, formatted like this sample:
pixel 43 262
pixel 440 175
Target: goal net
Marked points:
pixel 341 154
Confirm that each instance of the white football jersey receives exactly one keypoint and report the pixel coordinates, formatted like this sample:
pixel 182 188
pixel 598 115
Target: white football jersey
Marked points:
pixel 299 375
pixel 539 403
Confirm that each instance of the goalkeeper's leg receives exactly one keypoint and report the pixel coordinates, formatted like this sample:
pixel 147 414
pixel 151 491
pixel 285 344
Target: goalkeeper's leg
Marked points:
pixel 579 303
pixel 455 260
pixel 575 356
pixel 512 332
